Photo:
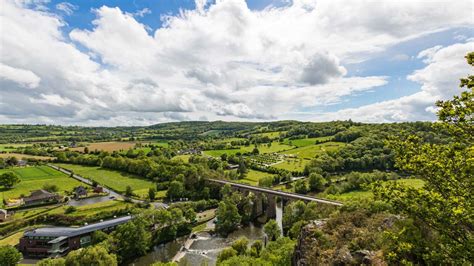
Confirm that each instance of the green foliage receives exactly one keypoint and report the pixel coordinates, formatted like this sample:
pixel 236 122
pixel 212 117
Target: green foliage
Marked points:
pixel 241 245
pixel 228 217
pixel 9 256
pixel 226 254
pixel 279 252
pixel 175 190
pixel 256 248
pixel 151 193
pixel 445 205
pixel 70 209
pixel 301 187
pixel 9 179
pixel 95 256
pixel 128 191
pixel 272 230
pixel 51 187
pixel 316 182
pixel 244 261
pixel 132 239
pixel 52 262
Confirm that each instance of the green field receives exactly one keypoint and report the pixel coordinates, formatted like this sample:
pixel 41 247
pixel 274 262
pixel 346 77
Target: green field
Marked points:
pixel 263 148
pixel 92 209
pixel 309 152
pixel 114 179
pixel 273 135
pixel 12 147
pixel 366 194
pixel 253 176
pixel 33 178
pixel 305 142
pixel 292 164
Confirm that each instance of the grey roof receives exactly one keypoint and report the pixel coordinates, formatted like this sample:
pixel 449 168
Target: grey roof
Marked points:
pixel 71 231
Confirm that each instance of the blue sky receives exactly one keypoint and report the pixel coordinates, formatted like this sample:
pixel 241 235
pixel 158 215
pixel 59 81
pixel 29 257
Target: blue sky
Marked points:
pixel 114 62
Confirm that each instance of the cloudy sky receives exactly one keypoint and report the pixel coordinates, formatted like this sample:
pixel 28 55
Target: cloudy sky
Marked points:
pixel 149 61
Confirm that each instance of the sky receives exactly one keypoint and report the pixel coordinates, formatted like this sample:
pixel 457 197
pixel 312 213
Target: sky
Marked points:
pixel 142 62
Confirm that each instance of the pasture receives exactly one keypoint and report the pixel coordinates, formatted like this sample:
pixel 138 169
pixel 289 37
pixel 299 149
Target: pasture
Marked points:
pixel 309 152
pixel 107 146
pixel 291 164
pixel 253 176
pixel 263 148
pixel 116 180
pixel 33 178
pixel 21 156
pixel 305 142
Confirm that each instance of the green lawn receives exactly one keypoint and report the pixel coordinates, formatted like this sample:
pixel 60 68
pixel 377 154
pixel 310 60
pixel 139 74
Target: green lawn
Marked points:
pixel 33 178
pixel 253 176
pixel 272 135
pixel 114 179
pixel 183 157
pixel 309 152
pixel 292 164
pixel 92 209
pixel 263 148
pixel 365 194
pixel 305 142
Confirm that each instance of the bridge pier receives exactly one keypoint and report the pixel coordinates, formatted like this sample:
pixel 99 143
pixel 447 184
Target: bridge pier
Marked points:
pixel 271 206
pixel 258 205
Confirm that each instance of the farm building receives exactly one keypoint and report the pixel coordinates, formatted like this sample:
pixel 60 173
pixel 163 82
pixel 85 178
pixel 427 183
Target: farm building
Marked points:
pixel 41 196
pixel 57 241
pixel 3 215
pixel 80 191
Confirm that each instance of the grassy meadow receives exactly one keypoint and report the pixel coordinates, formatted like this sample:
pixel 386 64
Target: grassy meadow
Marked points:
pixel 33 178
pixel 114 179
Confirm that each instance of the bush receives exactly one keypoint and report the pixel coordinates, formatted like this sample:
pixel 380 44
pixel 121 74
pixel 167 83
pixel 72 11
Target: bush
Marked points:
pixel 70 209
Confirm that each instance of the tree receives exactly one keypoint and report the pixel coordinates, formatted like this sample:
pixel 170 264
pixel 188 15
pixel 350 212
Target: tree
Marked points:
pixel 9 256
pixel 175 190
pixel 132 239
pixel 128 191
pixel 93 255
pixel 9 179
pixel 242 168
pixel 444 207
pixel 86 150
pixel 272 229
pixel 316 182
pixel 256 248
pixel 151 193
pixel 52 262
pixel 279 252
pixel 225 254
pixel 228 217
pixel 240 245
pixel 12 161
pixel 301 187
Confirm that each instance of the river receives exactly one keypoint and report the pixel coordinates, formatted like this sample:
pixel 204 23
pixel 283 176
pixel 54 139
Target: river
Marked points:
pixel 205 247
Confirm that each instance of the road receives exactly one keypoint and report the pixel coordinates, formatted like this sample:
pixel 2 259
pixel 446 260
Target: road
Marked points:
pixel 288 195
pixel 112 193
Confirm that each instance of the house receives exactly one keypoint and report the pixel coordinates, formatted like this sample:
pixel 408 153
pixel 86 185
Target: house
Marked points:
pixel 98 189
pixel 3 215
pixel 232 166
pixel 58 241
pixel 80 191
pixel 22 163
pixel 41 196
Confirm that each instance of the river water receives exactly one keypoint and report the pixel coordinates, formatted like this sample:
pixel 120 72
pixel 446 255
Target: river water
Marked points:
pixel 205 247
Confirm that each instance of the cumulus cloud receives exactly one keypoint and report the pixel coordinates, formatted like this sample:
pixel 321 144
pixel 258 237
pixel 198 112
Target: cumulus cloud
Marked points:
pixel 21 76
pixel 439 80
pixel 219 61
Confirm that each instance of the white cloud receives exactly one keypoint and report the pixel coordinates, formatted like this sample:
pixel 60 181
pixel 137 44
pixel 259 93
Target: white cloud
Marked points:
pixel 220 61
pixel 21 76
pixel 66 7
pixel 439 80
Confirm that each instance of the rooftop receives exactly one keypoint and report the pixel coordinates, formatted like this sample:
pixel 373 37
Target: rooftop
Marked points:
pixel 71 231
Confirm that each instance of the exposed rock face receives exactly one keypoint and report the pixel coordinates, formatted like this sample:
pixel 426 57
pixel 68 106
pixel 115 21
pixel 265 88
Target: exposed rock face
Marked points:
pixel 304 241
pixel 319 244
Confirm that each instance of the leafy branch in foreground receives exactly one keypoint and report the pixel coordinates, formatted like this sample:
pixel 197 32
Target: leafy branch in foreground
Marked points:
pixel 442 210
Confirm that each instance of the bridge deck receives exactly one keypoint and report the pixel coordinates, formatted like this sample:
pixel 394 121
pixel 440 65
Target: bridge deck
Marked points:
pixel 283 194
